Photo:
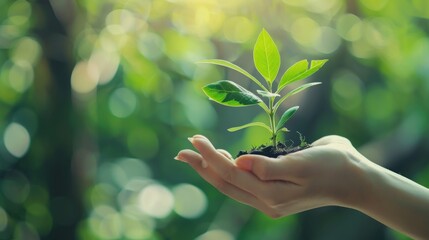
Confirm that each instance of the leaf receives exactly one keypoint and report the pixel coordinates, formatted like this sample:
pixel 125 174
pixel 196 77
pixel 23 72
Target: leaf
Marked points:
pixel 266 56
pixel 231 65
pixel 293 92
pixel 230 94
pixel 285 117
pixel 253 124
pixel 267 94
pixel 299 71
pixel 284 130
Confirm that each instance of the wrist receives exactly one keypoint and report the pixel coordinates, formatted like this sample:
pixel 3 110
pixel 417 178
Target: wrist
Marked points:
pixel 357 181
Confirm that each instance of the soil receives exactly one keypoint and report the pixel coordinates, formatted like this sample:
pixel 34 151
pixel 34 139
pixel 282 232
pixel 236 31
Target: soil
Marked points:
pixel 272 152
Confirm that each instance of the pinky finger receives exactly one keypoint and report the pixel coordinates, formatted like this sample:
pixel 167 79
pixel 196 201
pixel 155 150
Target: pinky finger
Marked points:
pixel 194 159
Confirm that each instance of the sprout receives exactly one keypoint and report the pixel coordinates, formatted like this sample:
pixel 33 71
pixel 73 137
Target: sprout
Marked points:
pixel 267 61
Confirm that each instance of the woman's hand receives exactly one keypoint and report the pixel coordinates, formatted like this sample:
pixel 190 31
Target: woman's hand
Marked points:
pixel 319 176
pixel 331 172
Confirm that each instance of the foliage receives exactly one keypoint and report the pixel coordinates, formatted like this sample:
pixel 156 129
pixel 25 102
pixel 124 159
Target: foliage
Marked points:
pixel 266 58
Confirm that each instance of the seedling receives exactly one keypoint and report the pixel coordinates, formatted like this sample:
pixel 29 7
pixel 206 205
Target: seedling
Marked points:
pixel 266 58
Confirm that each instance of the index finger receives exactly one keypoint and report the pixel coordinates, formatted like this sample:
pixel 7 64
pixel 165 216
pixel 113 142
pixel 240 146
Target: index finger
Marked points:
pixel 226 169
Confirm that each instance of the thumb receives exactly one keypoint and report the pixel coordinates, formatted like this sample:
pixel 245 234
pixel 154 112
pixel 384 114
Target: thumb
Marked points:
pixel 265 168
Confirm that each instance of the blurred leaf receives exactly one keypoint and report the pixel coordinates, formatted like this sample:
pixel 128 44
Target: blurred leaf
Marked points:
pixel 230 94
pixel 266 56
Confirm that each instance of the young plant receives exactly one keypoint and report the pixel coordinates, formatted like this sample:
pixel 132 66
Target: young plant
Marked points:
pixel 266 58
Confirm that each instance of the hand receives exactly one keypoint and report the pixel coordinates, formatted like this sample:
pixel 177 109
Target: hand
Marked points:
pixel 331 172
pixel 322 175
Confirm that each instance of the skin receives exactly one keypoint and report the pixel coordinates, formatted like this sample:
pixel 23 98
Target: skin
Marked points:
pixel 331 173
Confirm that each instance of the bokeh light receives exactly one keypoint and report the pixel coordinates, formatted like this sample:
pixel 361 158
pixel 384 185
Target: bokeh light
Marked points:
pixel 190 201
pixel 347 95
pixel 25 230
pixel 215 235
pixel 3 219
pixel 16 139
pixel 122 102
pixel 85 77
pixel 114 85
pixel 156 201
pixel 106 222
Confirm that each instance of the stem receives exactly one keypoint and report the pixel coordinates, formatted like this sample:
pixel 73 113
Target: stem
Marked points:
pixel 272 118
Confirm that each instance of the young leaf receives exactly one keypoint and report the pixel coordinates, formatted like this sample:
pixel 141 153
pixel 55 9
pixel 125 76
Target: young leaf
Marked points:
pixel 293 92
pixel 266 56
pixel 253 124
pixel 299 71
pixel 231 65
pixel 267 94
pixel 230 94
pixel 285 117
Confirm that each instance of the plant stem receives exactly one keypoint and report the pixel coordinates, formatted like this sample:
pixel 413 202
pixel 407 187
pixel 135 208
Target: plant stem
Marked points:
pixel 272 115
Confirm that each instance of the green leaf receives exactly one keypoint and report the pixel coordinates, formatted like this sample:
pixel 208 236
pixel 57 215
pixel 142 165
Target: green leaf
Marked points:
pixel 267 94
pixel 293 92
pixel 253 124
pixel 285 117
pixel 266 56
pixel 230 94
pixel 300 70
pixel 284 130
pixel 231 65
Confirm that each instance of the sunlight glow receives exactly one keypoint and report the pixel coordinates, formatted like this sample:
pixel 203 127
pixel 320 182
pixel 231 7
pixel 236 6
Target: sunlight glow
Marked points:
pixel 156 200
pixel 190 201
pixel 85 77
pixel 16 139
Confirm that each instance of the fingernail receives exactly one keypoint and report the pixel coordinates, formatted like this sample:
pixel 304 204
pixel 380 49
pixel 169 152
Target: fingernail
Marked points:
pixel 179 159
pixel 191 139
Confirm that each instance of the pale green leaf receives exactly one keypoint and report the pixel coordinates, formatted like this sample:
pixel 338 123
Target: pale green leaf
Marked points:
pixel 267 94
pixel 284 130
pixel 285 117
pixel 230 94
pixel 253 124
pixel 231 65
pixel 266 56
pixel 300 70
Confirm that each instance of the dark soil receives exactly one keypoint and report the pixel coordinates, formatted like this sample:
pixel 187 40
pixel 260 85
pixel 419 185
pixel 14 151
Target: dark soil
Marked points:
pixel 272 152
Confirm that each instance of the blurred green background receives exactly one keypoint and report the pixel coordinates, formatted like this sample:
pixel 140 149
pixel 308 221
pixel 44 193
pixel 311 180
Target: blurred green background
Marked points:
pixel 98 96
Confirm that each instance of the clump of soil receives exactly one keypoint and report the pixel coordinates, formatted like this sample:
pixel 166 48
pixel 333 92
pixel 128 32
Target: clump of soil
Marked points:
pixel 272 152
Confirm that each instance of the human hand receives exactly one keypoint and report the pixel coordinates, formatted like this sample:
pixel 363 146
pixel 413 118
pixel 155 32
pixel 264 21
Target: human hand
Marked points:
pixel 325 174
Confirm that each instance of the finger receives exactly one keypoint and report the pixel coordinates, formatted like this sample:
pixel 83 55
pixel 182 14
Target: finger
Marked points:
pixel 266 169
pixel 331 139
pixel 191 157
pixel 226 168
pixel 194 159
pixel 225 153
